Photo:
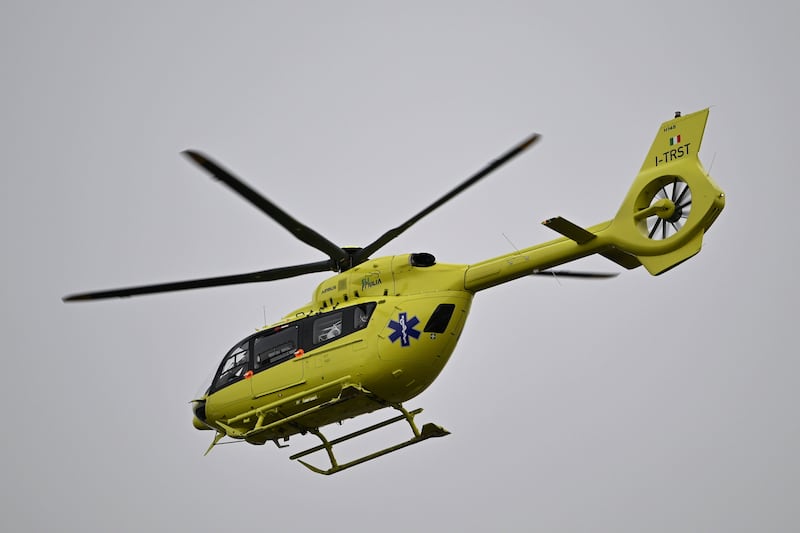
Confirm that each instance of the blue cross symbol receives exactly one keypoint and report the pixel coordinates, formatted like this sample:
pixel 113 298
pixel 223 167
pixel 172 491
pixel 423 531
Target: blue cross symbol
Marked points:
pixel 404 329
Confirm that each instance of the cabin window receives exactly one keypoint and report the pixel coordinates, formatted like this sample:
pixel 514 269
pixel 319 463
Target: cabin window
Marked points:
pixel 440 318
pixel 361 315
pixel 272 348
pixel 327 327
pixel 233 366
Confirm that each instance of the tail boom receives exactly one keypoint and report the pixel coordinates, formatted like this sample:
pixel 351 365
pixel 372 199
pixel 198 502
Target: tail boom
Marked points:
pixel 660 224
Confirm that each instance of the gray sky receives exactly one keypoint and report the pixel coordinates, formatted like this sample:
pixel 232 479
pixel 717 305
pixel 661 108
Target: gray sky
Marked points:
pixel 637 404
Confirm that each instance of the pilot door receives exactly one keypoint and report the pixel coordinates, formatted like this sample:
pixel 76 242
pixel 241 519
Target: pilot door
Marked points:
pixel 275 363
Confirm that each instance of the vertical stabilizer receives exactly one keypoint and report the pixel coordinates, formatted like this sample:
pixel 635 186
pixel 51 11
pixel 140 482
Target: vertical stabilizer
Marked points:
pixel 677 139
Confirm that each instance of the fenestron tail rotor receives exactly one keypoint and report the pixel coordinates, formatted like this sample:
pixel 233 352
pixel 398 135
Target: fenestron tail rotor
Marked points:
pixel 340 258
pixel 668 210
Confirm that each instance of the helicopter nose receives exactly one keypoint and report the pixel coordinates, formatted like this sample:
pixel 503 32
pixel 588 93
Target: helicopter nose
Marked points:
pixel 199 418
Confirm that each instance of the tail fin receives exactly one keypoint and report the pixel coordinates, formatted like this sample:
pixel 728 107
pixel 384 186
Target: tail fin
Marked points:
pixel 672 201
pixel 676 139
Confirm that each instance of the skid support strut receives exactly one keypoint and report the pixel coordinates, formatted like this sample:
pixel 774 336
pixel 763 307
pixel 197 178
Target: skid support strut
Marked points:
pixel 428 430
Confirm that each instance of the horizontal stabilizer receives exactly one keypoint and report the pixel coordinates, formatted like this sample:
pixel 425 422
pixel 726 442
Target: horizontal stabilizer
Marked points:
pixel 569 229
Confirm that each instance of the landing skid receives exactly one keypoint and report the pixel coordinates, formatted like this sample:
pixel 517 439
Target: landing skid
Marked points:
pixel 428 430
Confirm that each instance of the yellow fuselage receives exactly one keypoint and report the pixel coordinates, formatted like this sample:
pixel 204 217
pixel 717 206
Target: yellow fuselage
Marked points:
pixel 395 357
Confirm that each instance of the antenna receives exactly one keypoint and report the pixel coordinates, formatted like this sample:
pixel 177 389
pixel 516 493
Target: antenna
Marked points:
pixel 713 158
pixel 511 243
pixel 556 278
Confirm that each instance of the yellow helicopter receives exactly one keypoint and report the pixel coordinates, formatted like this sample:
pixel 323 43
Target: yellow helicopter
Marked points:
pixel 380 331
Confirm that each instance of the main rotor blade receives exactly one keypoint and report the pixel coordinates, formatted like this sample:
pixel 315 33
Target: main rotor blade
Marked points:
pixel 363 254
pixel 253 277
pixel 573 274
pixel 296 228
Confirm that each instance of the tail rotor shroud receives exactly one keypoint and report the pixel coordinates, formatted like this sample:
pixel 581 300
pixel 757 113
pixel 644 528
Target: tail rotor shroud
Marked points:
pixel 667 210
pixel 672 202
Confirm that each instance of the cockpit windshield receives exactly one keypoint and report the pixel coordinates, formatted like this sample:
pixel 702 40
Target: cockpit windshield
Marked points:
pixel 234 366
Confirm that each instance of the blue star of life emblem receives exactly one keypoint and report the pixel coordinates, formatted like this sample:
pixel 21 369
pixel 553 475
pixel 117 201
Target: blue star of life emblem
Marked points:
pixel 404 329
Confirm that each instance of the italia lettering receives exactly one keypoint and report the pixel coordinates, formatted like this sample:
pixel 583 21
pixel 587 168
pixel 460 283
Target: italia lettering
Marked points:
pixel 673 154
pixel 369 282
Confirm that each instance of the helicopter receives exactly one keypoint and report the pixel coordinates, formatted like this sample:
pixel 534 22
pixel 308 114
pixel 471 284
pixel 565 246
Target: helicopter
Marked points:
pixel 379 331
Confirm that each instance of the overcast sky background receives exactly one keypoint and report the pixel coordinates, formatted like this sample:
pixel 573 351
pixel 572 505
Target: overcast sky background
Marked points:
pixel 656 404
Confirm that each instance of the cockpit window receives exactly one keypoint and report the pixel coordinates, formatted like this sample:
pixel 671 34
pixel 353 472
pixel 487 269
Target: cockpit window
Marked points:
pixel 233 367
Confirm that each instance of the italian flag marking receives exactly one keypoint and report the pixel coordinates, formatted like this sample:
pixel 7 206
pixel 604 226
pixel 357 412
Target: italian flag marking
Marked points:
pixel 674 140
